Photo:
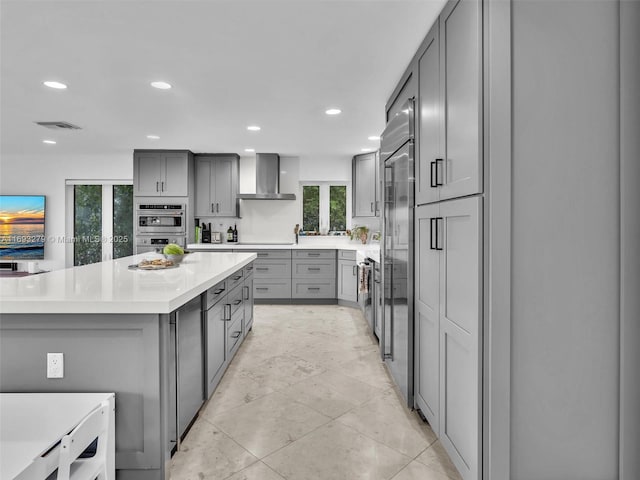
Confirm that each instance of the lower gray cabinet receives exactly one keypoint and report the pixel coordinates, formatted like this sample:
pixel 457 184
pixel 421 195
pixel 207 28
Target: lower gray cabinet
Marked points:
pixel 272 275
pixel 190 368
pixel 347 280
pixel 248 300
pixel 314 274
pixel 216 335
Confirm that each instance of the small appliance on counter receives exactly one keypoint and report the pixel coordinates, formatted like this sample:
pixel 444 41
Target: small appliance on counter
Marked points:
pixel 206 233
pixel 216 237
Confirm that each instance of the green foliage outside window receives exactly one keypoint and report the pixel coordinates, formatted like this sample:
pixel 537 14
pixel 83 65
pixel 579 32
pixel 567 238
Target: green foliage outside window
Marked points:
pixel 122 220
pixel 87 246
pixel 338 207
pixel 311 208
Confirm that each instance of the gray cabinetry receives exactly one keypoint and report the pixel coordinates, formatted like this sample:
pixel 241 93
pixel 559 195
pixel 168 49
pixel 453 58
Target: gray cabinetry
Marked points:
pixel 217 177
pixel 448 314
pixel 314 274
pixel 161 173
pixel 248 298
pixel 215 334
pixel 365 185
pixel 347 276
pixel 189 356
pixel 272 275
pixel 449 163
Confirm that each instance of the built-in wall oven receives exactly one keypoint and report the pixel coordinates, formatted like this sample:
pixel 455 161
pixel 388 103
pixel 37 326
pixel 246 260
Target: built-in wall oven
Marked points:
pixel 158 225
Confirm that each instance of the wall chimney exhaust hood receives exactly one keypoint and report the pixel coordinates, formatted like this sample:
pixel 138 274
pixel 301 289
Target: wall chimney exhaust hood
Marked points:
pixel 267 179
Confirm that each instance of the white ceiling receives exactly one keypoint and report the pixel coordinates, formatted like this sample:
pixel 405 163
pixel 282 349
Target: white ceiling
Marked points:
pixel 232 63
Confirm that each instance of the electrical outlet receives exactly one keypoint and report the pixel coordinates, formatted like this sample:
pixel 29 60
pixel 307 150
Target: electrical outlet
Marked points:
pixel 55 365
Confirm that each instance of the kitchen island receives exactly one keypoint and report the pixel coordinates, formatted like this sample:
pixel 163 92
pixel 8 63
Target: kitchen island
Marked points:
pixel 160 340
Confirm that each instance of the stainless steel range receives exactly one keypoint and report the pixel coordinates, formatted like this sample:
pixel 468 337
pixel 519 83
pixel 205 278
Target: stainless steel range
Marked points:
pixel 158 225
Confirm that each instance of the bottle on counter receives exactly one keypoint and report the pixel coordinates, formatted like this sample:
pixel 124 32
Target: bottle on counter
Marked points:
pixel 230 234
pixel 235 233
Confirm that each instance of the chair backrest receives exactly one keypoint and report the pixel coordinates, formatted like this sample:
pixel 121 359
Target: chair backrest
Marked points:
pixel 95 425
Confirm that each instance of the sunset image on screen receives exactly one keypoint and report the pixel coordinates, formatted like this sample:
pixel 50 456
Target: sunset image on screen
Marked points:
pixel 21 227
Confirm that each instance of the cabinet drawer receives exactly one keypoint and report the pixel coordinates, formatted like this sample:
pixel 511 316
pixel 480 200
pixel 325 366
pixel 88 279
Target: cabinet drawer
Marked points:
pixel 235 279
pixel 248 269
pixel 272 289
pixel 234 330
pixel 346 254
pixel 234 299
pixel 314 268
pixel 272 269
pixel 272 253
pixel 314 254
pixel 314 289
pixel 216 293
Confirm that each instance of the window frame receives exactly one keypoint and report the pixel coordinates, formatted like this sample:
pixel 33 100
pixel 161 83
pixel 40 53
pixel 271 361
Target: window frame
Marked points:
pixel 324 205
pixel 107 215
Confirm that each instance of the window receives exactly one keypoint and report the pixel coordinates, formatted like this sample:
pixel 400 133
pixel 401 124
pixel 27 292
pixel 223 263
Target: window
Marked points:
pixel 99 221
pixel 324 207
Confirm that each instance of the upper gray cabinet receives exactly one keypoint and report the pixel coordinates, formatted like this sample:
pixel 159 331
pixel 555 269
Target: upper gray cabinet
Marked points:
pixel 365 185
pixel 217 181
pixel 161 173
pixel 450 108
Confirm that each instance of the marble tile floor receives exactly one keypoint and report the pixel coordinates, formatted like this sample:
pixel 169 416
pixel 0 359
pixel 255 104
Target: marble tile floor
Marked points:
pixel 307 398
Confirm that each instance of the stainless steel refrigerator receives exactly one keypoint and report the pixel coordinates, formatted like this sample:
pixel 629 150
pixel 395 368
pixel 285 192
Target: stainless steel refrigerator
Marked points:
pixel 396 156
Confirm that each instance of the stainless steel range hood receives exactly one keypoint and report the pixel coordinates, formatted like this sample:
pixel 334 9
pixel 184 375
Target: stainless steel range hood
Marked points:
pixel 267 179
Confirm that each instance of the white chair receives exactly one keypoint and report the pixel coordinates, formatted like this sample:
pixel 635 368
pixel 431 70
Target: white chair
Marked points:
pixel 95 425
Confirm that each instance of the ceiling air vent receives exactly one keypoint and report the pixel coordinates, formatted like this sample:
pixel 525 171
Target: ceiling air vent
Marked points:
pixel 59 125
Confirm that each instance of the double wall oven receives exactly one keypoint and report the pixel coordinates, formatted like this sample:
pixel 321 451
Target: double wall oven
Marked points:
pixel 158 225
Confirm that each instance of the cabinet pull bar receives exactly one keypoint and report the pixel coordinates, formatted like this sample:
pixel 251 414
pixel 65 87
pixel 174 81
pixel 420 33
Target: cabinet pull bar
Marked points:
pixel 313 269
pixel 313 254
pixel 213 209
pixel 235 334
pixel 431 231
pixel 434 180
pixel 227 318
pixel 218 292
pixel 237 302
pixel 355 270
pixel 262 288
pixel 157 186
pixel 372 206
pixel 313 288
pixel 162 186
pixel 217 208
pixel 262 268
pixel 439 178
pixel 438 233
pixel 247 290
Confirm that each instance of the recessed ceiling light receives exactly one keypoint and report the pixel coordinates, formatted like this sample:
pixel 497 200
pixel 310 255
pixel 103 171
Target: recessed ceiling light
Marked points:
pixel 52 84
pixel 161 85
pixel 333 111
pixel 253 128
pixel 374 137
pixel 153 137
pixel 50 142
pixel 249 150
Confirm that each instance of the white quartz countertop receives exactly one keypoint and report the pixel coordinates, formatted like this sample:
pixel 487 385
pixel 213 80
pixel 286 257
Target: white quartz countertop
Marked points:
pixel 369 250
pixel 111 287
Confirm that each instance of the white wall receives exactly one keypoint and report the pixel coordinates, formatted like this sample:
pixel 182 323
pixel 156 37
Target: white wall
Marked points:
pixel 262 220
pixel 46 175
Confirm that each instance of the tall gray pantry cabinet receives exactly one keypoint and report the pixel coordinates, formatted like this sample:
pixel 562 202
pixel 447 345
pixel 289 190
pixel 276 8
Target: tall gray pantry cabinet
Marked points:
pixel 445 79
pixel 526 274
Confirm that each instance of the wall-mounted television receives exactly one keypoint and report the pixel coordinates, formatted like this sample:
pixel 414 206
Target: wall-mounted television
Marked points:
pixel 22 227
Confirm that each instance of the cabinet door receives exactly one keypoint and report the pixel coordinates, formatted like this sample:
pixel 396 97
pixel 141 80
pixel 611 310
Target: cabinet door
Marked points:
pixel 430 161
pixel 147 174
pixel 248 303
pixel 364 185
pixel 176 175
pixel 460 47
pixel 460 320
pixel 216 351
pixel 427 321
pixel 190 365
pixel 204 174
pixel 224 186
pixel 347 280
